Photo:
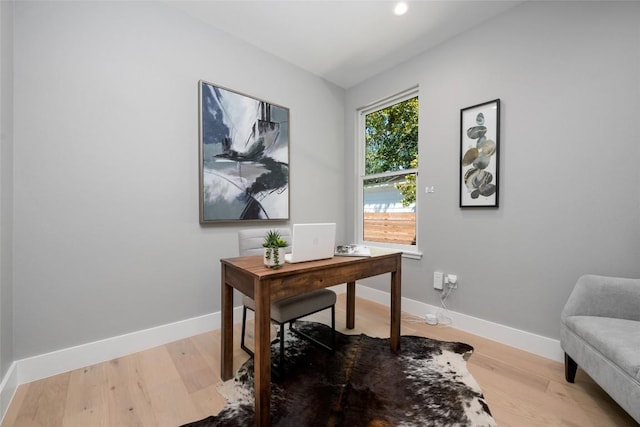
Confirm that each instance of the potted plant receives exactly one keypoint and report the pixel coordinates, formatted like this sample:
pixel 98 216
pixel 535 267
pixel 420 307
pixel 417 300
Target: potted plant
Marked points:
pixel 274 246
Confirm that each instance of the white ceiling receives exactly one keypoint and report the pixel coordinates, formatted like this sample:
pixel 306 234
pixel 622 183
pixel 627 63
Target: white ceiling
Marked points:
pixel 343 41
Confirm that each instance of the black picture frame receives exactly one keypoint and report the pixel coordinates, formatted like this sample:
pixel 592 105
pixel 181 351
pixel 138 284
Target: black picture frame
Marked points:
pixel 243 157
pixel 480 155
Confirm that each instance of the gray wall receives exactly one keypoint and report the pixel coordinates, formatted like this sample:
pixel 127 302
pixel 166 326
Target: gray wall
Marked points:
pixel 6 186
pixel 568 75
pixel 103 199
pixel 107 239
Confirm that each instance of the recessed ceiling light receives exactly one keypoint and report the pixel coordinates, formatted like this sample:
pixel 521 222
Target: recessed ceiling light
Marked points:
pixel 401 8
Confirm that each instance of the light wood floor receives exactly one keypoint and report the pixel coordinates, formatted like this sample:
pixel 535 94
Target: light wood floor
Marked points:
pixel 176 383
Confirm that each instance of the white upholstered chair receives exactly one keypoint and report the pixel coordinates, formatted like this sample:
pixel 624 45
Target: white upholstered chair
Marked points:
pixel 286 310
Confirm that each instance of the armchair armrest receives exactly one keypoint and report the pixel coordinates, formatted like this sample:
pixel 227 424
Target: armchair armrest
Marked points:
pixel 603 296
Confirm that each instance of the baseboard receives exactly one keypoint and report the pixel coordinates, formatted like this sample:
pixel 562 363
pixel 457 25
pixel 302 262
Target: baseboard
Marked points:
pixel 8 388
pixel 57 362
pixel 527 341
pixel 46 365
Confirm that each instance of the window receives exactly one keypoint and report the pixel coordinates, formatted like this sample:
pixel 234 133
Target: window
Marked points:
pixel 388 170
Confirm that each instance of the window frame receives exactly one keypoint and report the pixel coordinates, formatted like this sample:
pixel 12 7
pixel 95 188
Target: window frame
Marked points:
pixel 409 251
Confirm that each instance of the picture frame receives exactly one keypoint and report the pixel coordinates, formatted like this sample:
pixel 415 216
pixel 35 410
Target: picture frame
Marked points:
pixel 480 155
pixel 243 157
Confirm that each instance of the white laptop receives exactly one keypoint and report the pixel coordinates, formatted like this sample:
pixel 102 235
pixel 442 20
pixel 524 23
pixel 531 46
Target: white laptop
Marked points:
pixel 312 241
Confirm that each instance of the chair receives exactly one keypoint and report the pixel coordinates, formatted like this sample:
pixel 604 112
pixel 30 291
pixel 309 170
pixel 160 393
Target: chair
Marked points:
pixel 600 332
pixel 286 310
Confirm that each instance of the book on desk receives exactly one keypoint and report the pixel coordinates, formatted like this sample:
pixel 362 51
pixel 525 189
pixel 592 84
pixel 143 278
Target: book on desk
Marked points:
pixel 352 250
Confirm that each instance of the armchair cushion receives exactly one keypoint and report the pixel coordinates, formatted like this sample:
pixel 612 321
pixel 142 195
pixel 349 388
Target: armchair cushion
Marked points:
pixel 617 339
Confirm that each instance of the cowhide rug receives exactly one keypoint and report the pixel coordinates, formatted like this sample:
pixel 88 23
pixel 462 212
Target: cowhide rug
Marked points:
pixel 362 384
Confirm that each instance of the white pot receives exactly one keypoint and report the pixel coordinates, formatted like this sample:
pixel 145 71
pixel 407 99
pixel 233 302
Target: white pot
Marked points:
pixel 271 255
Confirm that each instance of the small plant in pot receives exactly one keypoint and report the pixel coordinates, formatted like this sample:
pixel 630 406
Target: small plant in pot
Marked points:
pixel 274 246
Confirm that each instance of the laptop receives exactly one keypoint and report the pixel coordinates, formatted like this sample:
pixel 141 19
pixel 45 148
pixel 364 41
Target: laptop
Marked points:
pixel 311 242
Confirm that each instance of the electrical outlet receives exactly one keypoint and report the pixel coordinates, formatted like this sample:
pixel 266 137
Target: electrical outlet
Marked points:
pixel 438 276
pixel 451 280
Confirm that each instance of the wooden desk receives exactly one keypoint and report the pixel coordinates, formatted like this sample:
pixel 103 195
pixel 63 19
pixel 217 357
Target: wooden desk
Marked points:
pixel 252 278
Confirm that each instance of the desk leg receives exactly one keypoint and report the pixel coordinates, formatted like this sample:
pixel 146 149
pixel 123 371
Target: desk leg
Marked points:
pixel 396 295
pixel 262 361
pixel 226 341
pixel 351 305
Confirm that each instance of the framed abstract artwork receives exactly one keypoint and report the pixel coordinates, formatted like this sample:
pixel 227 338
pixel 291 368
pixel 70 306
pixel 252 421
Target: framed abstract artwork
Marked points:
pixel 243 156
pixel 479 155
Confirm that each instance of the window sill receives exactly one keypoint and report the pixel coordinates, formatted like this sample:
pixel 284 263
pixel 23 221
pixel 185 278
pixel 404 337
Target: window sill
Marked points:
pixel 405 253
pixel 411 255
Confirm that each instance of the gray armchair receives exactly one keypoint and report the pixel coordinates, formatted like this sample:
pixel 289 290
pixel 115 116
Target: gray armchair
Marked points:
pixel 600 332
